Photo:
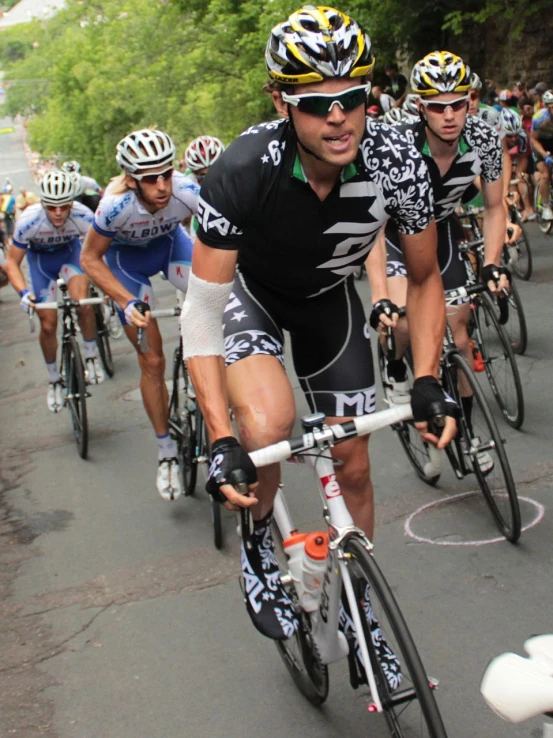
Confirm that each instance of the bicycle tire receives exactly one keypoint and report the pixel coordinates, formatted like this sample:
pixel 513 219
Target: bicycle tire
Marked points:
pixel 515 327
pixel 75 388
pixel 498 484
pixel 102 341
pixel 410 711
pixel 182 424
pixel 496 349
pixel 413 445
pixel 523 266
pixel 299 653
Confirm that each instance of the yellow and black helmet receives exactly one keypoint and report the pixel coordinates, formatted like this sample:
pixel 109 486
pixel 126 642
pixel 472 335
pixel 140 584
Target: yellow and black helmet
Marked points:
pixel 317 43
pixel 439 72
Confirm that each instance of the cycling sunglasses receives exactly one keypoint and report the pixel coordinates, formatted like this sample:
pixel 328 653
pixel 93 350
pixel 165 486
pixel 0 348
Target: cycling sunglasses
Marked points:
pixel 153 178
pixel 439 107
pixel 314 103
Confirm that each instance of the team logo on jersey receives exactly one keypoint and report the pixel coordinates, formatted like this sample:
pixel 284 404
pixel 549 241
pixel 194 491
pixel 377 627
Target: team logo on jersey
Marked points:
pixel 355 403
pixel 210 219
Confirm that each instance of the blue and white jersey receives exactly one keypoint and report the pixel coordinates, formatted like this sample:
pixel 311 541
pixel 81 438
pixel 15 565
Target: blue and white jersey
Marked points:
pixel 34 231
pixel 126 220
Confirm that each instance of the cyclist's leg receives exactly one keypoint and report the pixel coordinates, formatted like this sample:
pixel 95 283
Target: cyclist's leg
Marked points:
pixel 179 260
pixel 544 182
pixel 333 359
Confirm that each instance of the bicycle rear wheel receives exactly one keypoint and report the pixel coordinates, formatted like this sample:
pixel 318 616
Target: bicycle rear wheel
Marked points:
pixel 544 225
pixel 409 709
pixel 182 424
pixel 416 449
pixel 102 340
pixel 299 653
pixel 75 394
pixel 497 485
pixel 499 361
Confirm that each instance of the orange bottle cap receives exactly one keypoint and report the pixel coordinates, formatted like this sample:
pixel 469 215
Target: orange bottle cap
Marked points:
pixel 295 538
pixel 316 545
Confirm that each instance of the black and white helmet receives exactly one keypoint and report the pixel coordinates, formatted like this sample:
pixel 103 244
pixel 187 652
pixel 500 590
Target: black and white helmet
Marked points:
pixel 394 116
pixel 56 188
pixel 78 184
pixel 71 166
pixel 202 152
pixel 475 82
pixel 512 123
pixel 492 117
pixel 145 149
pixel 547 97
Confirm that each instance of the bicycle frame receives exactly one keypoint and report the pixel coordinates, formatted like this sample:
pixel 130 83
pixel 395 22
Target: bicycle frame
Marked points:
pixel 330 641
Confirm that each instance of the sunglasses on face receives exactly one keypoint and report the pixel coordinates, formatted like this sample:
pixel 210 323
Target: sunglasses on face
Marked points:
pixel 51 208
pixel 474 95
pixel 320 105
pixel 153 178
pixel 439 107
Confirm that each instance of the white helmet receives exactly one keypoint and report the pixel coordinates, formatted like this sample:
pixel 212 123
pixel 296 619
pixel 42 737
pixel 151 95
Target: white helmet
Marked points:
pixel 410 105
pixel 393 116
pixel 475 82
pixel 492 118
pixel 512 124
pixel 145 149
pixel 71 166
pixel 78 184
pixel 56 188
pixel 203 152
pixel 547 97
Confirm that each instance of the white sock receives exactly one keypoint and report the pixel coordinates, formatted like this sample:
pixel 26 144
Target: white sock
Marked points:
pixel 166 448
pixel 53 373
pixel 90 349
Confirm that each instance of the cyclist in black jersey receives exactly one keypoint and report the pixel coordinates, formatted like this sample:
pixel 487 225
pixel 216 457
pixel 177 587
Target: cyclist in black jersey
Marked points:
pixel 294 206
pixel 457 149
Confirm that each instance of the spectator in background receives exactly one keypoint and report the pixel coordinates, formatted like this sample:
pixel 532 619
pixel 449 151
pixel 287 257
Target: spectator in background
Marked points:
pixel 526 110
pixel 374 112
pixel 398 84
pixel 24 199
pixel 385 101
pixel 7 208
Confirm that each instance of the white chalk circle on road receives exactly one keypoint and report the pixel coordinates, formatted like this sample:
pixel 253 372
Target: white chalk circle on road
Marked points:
pixel 409 528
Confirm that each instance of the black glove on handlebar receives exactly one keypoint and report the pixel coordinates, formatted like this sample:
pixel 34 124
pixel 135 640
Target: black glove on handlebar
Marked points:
pixel 227 455
pixel 382 307
pixel 492 273
pixel 429 400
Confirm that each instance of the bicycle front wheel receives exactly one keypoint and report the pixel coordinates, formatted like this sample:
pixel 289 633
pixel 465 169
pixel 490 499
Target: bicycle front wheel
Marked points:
pixel 544 225
pixel 182 424
pixel 499 362
pixel 522 264
pixel 479 435
pixel 515 327
pixel 409 707
pixel 75 394
pixel 102 341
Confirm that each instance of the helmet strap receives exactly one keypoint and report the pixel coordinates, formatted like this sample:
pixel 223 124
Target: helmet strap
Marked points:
pixel 300 143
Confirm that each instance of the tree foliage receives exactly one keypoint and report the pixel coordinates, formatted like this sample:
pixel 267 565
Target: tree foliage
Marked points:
pixel 101 68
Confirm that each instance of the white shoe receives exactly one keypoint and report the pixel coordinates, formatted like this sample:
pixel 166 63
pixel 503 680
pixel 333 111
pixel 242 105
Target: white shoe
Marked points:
pixel 485 461
pixel 397 393
pixel 547 213
pixel 93 373
pixel 168 479
pixel 54 398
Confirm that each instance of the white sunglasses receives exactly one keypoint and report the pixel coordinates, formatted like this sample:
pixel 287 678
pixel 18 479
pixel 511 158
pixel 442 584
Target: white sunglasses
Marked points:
pixel 320 104
pixel 439 107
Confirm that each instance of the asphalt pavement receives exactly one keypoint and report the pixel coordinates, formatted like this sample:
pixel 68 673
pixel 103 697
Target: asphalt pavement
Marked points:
pixel 119 619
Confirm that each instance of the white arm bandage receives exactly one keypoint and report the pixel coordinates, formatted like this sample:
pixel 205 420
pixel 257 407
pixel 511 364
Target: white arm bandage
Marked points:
pixel 201 318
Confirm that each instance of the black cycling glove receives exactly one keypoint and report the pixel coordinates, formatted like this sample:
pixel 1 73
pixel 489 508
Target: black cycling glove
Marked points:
pixel 428 400
pixel 227 455
pixel 492 273
pixel 382 307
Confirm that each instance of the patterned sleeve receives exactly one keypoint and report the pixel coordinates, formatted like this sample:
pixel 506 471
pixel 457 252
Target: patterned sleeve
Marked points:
pixel 223 202
pixel 402 175
pixel 111 214
pixel 486 140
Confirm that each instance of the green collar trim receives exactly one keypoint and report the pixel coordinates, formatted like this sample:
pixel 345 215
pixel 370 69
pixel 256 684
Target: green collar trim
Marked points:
pixel 348 172
pixel 463 147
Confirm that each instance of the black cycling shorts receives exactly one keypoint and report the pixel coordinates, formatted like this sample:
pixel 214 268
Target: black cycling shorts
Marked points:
pixel 331 344
pixel 451 260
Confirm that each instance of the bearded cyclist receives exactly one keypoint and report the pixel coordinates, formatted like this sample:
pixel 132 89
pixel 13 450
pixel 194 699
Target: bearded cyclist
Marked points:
pixel 137 231
pixel 286 216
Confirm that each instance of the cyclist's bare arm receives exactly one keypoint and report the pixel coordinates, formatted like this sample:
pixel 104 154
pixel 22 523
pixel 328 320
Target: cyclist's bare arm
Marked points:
pixel 494 224
pixel 426 311
pixel 92 261
pixel 376 272
pixel 12 267
pixel 507 168
pixel 208 372
pixel 537 145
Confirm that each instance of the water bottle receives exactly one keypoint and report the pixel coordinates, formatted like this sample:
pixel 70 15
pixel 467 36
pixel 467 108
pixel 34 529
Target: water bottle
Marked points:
pixel 191 397
pixel 313 567
pixel 294 548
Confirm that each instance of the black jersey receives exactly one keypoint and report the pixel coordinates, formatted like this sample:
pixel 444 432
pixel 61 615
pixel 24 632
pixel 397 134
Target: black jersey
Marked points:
pixel 479 154
pixel 257 200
